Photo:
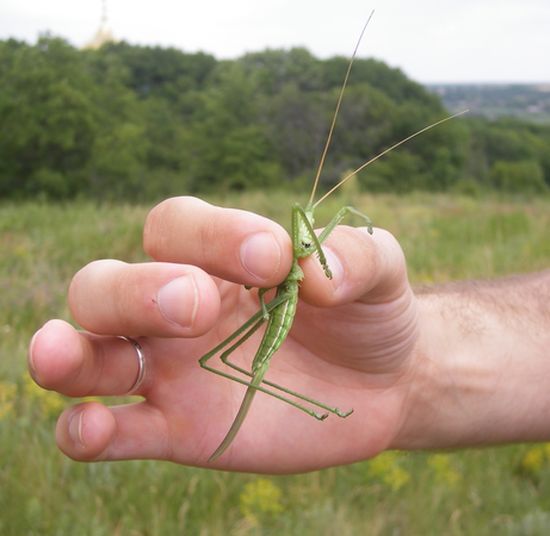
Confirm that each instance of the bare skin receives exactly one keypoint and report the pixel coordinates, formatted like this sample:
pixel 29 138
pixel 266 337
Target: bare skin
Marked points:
pixel 450 367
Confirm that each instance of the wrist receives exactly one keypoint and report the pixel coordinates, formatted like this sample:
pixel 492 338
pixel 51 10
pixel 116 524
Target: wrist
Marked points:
pixel 480 372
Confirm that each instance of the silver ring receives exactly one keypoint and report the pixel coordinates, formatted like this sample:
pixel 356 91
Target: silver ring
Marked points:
pixel 141 364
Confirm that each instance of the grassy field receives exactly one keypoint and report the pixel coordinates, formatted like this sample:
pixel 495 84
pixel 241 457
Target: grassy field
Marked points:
pixel 492 491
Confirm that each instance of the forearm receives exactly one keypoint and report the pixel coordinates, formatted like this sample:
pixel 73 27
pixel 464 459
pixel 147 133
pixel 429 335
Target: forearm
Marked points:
pixel 482 365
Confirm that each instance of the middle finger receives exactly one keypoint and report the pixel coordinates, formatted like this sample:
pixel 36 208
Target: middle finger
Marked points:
pixel 154 299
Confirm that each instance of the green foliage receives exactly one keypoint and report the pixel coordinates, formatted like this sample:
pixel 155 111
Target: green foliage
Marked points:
pixel 524 145
pixel 524 176
pixel 133 122
pixel 161 72
pixel 48 118
pixel 240 157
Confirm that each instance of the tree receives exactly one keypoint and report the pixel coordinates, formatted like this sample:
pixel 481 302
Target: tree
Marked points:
pixel 48 119
pixel 130 122
pixel 230 148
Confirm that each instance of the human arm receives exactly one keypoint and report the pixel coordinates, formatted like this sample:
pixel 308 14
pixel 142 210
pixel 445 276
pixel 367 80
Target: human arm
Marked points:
pixel 483 364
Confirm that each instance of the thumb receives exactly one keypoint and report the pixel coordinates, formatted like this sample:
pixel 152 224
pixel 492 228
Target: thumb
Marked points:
pixel 369 268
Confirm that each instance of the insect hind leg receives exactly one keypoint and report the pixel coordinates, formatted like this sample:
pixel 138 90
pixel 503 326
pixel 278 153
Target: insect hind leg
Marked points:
pixel 336 411
pixel 318 416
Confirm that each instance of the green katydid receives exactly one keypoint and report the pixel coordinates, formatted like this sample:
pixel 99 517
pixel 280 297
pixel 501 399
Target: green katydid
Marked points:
pixel 280 311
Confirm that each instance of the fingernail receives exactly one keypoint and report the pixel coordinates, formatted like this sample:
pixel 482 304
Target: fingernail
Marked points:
pixel 32 367
pixel 178 301
pixel 75 428
pixel 261 255
pixel 335 265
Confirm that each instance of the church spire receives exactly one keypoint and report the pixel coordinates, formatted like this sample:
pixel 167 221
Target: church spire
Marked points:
pixel 103 34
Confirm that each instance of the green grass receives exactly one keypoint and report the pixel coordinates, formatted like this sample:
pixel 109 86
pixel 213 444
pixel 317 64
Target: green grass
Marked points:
pixel 499 490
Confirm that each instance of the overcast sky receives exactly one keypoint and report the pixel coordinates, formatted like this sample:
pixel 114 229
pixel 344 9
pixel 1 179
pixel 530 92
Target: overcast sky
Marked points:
pixel 431 40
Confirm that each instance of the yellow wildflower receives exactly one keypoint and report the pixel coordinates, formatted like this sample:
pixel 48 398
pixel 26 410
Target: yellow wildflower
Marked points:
pixel 443 469
pixel 533 460
pixel 387 468
pixel 50 403
pixel 260 498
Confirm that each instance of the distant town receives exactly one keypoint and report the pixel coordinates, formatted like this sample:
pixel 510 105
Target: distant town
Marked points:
pixel 524 101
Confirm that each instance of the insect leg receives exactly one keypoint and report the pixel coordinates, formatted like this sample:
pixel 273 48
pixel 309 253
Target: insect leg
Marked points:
pixel 340 215
pixel 309 411
pixel 225 359
pixel 312 401
pixel 252 325
pixel 250 322
pixel 265 311
pixel 316 241
pixel 298 212
pixel 261 293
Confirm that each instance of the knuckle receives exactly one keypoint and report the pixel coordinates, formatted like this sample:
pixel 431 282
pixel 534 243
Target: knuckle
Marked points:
pixel 167 222
pixel 90 286
pixel 208 235
pixel 153 222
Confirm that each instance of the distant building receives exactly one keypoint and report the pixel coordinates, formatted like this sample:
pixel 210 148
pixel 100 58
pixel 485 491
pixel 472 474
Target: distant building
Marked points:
pixel 103 34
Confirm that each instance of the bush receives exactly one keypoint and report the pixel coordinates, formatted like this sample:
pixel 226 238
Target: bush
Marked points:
pixel 524 176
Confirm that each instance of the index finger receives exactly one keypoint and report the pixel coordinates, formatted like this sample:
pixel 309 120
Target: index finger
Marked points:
pixel 233 244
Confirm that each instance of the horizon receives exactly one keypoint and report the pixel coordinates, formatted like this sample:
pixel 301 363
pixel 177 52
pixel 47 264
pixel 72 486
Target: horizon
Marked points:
pixel 433 42
pixel 488 83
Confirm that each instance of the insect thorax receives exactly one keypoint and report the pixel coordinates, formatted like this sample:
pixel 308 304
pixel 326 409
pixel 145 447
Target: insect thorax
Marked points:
pixel 295 275
pixel 303 240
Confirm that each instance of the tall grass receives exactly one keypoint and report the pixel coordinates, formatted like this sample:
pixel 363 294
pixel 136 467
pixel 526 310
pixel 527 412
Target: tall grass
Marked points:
pixel 497 490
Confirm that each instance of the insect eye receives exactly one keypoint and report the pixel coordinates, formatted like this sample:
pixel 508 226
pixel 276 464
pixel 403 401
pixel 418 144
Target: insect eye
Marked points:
pixel 306 245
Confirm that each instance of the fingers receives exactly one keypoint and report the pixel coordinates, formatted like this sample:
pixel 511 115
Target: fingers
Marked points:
pixel 78 364
pixel 81 364
pixel 93 432
pixel 113 298
pixel 365 267
pixel 232 244
pixel 247 248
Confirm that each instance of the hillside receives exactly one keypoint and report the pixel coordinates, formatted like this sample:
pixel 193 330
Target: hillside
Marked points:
pixel 137 123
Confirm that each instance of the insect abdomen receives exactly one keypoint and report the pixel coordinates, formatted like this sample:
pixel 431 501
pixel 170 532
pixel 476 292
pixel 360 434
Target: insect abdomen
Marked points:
pixel 278 325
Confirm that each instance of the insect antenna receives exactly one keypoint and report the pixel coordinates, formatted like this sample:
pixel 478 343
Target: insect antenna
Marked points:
pixel 337 109
pixel 386 151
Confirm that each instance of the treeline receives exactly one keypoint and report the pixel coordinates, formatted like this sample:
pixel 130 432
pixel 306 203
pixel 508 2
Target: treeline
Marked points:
pixel 130 122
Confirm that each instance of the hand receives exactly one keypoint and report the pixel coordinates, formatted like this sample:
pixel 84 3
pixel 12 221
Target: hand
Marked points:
pixel 351 345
